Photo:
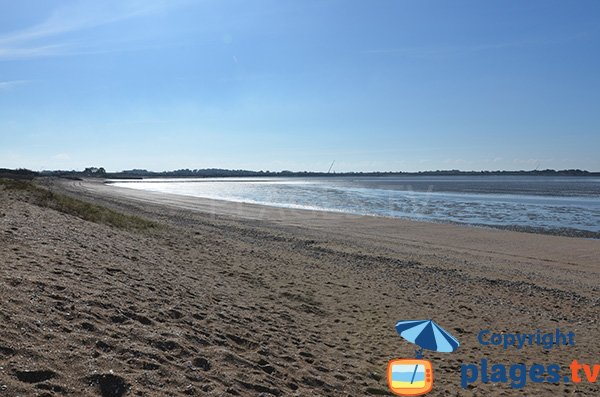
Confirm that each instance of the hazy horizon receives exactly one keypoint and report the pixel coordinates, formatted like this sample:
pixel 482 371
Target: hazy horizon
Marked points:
pixel 283 85
pixel 333 171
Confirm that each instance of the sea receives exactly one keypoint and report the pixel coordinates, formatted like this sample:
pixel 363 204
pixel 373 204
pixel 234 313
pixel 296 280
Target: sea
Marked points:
pixel 556 205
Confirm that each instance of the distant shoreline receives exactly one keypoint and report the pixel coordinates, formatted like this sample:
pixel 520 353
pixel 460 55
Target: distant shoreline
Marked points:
pixel 237 208
pixel 214 173
pixel 218 172
pixel 393 204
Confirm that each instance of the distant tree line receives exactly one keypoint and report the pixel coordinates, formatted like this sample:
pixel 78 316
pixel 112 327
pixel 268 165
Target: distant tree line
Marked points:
pixel 219 172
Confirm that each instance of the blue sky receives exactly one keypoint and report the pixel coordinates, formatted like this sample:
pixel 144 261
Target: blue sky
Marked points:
pixel 375 85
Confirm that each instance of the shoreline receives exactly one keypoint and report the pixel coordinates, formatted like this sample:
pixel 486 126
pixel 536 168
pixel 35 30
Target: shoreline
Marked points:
pixel 242 300
pixel 365 231
pixel 555 231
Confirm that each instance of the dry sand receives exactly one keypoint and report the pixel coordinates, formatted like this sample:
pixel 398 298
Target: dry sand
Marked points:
pixel 243 300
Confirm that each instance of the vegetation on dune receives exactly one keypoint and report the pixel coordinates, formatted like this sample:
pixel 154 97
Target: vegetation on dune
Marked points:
pixel 20 173
pixel 90 212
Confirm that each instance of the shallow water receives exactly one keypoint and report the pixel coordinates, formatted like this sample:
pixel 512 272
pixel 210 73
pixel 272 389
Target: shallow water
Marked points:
pixel 561 204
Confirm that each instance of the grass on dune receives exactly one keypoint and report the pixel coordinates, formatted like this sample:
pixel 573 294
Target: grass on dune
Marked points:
pixel 90 212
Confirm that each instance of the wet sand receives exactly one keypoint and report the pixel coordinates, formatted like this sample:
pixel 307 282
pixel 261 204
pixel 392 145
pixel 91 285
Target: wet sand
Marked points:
pixel 239 299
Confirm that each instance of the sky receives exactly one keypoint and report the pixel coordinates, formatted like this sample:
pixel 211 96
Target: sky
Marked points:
pixel 294 85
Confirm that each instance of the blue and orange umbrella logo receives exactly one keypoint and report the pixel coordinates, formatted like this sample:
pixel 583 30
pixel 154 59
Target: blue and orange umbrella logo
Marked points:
pixel 414 377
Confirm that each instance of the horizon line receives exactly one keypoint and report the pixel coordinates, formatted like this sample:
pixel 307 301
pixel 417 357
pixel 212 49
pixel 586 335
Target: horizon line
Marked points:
pixel 284 171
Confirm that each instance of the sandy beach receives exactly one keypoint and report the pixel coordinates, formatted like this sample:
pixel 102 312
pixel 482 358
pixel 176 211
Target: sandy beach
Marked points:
pixel 246 300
